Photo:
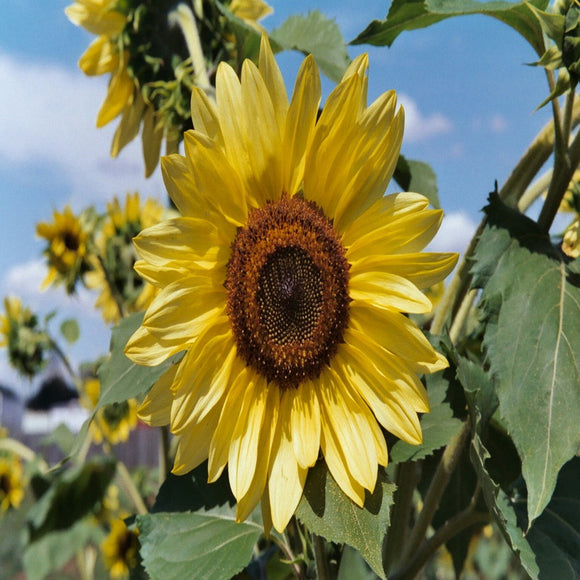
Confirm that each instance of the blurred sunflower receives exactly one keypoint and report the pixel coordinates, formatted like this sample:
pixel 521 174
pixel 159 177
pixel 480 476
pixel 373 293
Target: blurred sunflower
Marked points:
pixel 120 549
pixel 67 250
pixel 285 283
pixel 122 291
pixel 112 423
pixel 11 483
pixel 149 64
pixel 21 334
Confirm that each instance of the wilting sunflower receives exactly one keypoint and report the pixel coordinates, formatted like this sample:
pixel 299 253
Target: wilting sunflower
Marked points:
pixel 11 483
pixel 112 423
pixel 120 549
pixel 66 252
pixel 122 291
pixel 285 284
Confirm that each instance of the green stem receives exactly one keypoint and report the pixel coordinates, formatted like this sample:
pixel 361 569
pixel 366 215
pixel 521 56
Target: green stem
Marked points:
pixel 451 528
pixel 164 459
pixel 537 189
pixel 408 474
pixel 60 354
pixel 130 488
pixel 438 484
pixel 185 19
pixel 321 559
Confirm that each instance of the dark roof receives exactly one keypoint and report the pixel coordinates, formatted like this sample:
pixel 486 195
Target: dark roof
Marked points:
pixel 54 392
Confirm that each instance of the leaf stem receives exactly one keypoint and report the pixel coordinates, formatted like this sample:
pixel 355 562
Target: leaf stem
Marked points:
pixel 438 484
pixel 185 19
pixel 130 488
pixel 406 479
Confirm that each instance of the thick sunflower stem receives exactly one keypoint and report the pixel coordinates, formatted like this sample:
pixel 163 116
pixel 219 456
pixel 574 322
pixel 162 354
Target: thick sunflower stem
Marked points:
pixel 185 19
pixel 321 558
pixel 439 482
pixel 407 478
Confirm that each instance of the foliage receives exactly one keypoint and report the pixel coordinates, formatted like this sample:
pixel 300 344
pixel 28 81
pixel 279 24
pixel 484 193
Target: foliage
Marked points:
pixel 499 447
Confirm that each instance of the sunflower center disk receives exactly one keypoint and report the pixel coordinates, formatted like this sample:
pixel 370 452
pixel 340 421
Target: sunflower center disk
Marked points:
pixel 287 284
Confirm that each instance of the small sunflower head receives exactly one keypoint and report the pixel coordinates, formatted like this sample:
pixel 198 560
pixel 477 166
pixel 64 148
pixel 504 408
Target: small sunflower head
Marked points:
pixel 571 241
pixel 120 549
pixel 11 483
pixel 67 249
pixel 121 288
pixel 21 334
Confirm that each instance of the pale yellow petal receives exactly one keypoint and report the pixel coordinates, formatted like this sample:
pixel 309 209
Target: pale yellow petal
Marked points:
pixel 305 424
pixel 100 57
pixel 145 349
pixel 287 477
pixel 204 116
pixel 151 139
pixel 155 410
pixel 388 291
pixel 424 269
pixel 180 185
pixel 129 125
pixel 252 10
pixel 119 95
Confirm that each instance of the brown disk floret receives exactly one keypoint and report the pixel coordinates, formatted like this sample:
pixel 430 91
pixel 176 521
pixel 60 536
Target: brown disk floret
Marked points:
pixel 287 284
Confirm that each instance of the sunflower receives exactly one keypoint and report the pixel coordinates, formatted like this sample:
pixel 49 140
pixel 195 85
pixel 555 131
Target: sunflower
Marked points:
pixel 21 334
pixel 121 289
pixel 120 549
pixel 112 423
pixel 11 483
pixel 149 66
pixel 285 284
pixel 67 250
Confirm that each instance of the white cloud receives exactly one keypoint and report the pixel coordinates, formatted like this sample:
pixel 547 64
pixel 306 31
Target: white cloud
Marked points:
pixel 49 116
pixel 498 123
pixel 455 233
pixel 419 127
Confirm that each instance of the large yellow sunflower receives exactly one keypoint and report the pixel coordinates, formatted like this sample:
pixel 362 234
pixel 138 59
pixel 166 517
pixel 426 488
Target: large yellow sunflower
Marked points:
pixel 285 284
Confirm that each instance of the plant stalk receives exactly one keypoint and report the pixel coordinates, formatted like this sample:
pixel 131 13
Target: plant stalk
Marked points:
pixel 320 557
pixel 130 488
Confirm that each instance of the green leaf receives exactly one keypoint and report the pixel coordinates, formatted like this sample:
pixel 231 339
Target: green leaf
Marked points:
pixel 63 437
pixel 418 177
pixel 173 546
pixel 555 535
pixel 192 492
pixel 413 14
pixel 74 493
pixel 531 299
pixel 439 426
pixel 54 550
pixel 317 35
pixel 121 378
pixel 352 565
pixel 70 330
pixel 328 512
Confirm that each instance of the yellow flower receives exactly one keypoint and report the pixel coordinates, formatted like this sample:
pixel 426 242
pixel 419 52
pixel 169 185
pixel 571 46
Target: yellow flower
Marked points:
pixel 11 483
pixel 571 241
pixel 250 10
pixel 120 549
pixel 121 289
pixel 285 283
pixel 112 423
pixel 66 252
pixel 20 333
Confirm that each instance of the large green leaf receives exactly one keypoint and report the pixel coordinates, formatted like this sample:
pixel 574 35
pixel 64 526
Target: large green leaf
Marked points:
pixel 317 35
pixel 54 550
pixel 73 494
pixel 201 545
pixel 413 14
pixel 121 378
pixel 328 512
pixel 439 426
pixel 531 299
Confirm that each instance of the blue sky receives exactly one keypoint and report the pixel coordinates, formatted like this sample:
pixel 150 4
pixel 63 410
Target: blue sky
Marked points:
pixel 468 95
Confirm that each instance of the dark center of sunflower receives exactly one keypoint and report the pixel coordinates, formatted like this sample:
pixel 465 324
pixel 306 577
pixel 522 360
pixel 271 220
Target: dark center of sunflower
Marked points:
pixel 71 241
pixel 287 284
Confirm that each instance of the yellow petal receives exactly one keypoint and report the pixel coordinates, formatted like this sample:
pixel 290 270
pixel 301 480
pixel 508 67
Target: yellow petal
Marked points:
pixel 305 424
pixel 287 477
pixel 101 57
pixel 151 139
pixel 155 410
pixel 180 185
pixel 204 116
pixel 145 349
pixel 129 126
pixel 119 96
pixel 388 291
